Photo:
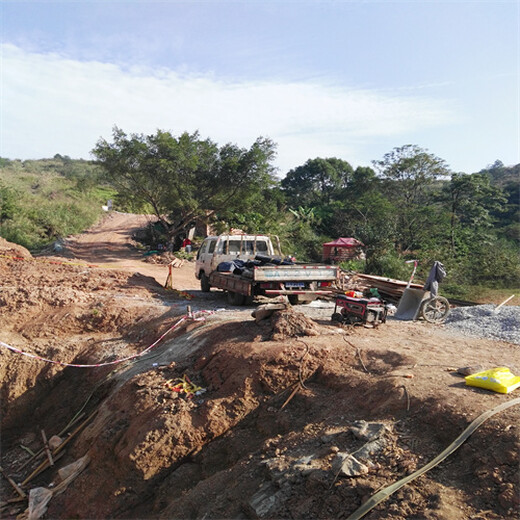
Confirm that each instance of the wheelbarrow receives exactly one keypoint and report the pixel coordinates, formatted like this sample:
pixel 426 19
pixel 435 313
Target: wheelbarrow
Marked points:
pixel 424 303
pixel 419 303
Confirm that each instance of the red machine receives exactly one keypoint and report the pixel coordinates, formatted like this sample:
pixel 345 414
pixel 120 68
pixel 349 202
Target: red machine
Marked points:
pixel 350 310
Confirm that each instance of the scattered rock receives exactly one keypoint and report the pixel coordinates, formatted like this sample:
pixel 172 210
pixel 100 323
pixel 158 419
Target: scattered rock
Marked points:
pixel 467 371
pixel 371 448
pixel 367 431
pixel 348 466
pixel 508 498
pixel 54 442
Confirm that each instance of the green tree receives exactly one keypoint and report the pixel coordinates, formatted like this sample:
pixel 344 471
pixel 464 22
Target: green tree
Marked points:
pixel 364 180
pixel 471 201
pixel 317 182
pixel 184 178
pixel 410 173
pixel 509 219
pixel 372 219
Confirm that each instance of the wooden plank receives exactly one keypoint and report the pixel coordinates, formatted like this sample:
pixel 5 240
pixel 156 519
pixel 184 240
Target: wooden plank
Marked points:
pixel 46 448
pixel 16 487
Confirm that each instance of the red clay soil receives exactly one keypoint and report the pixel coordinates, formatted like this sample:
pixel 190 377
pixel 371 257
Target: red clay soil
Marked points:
pixel 275 403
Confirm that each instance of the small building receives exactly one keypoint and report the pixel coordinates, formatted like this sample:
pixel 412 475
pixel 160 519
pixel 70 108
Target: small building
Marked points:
pixel 343 249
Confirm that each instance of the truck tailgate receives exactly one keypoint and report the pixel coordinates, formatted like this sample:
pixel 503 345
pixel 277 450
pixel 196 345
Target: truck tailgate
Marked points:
pixel 231 282
pixel 308 272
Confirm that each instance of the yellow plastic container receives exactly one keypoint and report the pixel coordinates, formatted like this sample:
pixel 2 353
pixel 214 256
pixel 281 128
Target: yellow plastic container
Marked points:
pixel 497 379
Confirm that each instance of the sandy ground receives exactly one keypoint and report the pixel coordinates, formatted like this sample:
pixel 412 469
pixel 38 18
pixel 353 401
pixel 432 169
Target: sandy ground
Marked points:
pixel 277 409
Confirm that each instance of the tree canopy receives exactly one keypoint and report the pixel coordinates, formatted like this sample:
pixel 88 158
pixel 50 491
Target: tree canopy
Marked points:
pixel 184 178
pixel 317 182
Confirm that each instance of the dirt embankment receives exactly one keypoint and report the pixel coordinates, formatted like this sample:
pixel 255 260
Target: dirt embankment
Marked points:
pixel 229 418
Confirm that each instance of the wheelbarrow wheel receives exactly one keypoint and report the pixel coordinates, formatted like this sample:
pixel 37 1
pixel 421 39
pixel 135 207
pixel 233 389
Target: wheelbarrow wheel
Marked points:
pixel 435 310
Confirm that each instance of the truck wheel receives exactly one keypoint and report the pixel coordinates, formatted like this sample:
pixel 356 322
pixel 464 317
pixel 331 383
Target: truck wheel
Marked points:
pixel 204 283
pixel 293 299
pixel 234 298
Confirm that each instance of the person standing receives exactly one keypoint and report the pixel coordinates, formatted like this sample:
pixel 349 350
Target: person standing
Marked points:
pixel 186 244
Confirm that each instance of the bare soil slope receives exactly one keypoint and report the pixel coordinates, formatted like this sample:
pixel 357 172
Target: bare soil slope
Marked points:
pixel 228 418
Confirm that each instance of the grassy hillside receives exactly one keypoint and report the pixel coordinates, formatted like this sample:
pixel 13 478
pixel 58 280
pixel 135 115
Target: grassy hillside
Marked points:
pixel 47 199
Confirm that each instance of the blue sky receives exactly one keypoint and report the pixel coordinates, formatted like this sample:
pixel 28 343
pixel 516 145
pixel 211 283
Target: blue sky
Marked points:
pixel 346 79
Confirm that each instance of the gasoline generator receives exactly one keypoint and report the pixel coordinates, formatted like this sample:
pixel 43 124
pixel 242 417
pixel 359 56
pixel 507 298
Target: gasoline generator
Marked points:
pixel 366 311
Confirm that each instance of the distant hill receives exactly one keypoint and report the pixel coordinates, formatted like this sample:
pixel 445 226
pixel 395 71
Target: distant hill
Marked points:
pixel 501 175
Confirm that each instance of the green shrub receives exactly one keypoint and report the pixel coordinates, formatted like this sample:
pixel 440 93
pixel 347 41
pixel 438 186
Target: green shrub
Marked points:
pixel 389 264
pixel 353 265
pixel 185 256
pixel 40 204
pixel 495 264
pixel 21 231
pixel 454 290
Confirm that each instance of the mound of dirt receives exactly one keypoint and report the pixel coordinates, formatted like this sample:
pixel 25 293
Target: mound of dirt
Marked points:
pixel 291 324
pixel 69 313
pixel 8 249
pixel 247 445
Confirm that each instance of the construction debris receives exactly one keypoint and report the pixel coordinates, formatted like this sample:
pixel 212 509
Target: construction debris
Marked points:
pixel 367 431
pixel 38 499
pixel 390 289
pixel 265 311
pixel 15 486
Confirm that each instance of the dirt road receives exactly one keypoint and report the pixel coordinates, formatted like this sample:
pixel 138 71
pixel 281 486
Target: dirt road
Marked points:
pixel 110 244
pixel 228 418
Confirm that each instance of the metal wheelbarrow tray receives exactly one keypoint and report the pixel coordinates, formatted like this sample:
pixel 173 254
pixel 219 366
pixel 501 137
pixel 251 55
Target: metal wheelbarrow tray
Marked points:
pixel 418 303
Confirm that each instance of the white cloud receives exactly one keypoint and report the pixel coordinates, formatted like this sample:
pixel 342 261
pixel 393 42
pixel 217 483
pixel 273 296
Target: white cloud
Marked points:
pixel 55 105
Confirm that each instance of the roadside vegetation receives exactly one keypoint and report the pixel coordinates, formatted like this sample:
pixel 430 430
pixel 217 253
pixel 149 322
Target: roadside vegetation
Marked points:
pixel 408 205
pixel 44 200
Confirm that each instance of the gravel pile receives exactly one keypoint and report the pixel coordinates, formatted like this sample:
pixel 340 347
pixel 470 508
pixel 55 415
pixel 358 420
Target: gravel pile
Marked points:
pixel 482 322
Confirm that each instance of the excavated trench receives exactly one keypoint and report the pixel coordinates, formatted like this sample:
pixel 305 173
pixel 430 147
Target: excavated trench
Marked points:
pixel 261 437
